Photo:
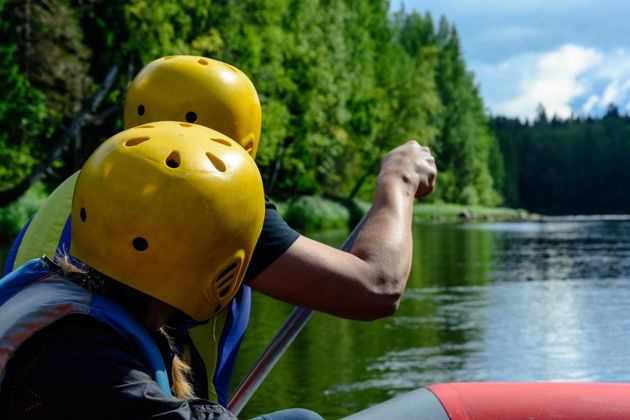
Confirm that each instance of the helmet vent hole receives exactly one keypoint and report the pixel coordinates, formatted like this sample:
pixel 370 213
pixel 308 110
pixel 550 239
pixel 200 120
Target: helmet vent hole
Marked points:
pixel 216 162
pixel 169 57
pixel 224 290
pixel 185 125
pixel 146 126
pixel 140 244
pixel 83 215
pixel 222 141
pixel 141 110
pixel 202 61
pixel 136 141
pixel 228 272
pixel 191 117
pixel 249 147
pixel 225 279
pixel 173 160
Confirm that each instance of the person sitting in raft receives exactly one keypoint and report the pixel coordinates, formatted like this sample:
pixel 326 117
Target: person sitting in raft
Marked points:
pixel 365 284
pixel 87 337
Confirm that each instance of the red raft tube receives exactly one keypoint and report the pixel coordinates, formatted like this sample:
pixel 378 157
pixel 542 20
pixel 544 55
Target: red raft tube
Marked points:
pixel 507 401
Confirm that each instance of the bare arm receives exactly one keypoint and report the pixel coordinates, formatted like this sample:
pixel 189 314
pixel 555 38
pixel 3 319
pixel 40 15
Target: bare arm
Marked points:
pixel 366 283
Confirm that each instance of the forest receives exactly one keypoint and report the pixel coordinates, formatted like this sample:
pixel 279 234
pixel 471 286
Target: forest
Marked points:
pixel 340 83
pixel 577 165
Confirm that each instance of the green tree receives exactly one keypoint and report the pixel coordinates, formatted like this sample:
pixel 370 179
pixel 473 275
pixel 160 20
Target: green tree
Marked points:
pixel 340 83
pixel 44 66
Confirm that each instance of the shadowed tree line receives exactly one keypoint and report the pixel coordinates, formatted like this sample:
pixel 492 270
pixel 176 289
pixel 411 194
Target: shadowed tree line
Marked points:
pixel 578 165
pixel 340 82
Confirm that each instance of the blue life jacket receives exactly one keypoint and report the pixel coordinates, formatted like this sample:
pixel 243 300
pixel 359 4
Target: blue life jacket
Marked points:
pixel 217 342
pixel 32 298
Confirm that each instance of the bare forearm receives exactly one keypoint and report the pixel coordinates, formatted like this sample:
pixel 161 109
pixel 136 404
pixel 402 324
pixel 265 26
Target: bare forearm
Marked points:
pixel 366 283
pixel 385 242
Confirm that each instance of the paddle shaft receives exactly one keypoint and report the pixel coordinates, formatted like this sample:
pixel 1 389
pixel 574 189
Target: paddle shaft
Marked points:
pixel 280 342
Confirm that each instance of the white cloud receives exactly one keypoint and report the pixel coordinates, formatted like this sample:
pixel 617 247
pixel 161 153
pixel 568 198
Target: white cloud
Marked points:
pixel 617 92
pixel 612 91
pixel 590 104
pixel 553 79
pixel 617 64
pixel 612 76
pixel 566 54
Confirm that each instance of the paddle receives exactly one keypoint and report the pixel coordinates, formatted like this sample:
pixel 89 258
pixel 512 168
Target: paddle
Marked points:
pixel 279 343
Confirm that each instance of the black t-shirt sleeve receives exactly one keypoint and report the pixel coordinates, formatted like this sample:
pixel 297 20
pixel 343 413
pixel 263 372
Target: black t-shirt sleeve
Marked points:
pixel 80 368
pixel 276 237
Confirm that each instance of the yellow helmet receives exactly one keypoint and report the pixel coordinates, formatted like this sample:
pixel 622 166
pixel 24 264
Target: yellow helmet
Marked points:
pixel 196 90
pixel 171 209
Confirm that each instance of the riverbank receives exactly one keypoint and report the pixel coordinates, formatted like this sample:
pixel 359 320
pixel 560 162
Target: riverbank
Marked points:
pixel 451 212
pixel 311 213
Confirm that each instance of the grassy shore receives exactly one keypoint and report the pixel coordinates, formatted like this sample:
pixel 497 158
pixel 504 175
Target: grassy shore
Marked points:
pixel 308 213
pixel 451 212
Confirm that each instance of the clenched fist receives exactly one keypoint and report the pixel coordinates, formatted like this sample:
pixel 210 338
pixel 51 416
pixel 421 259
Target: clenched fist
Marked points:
pixel 414 165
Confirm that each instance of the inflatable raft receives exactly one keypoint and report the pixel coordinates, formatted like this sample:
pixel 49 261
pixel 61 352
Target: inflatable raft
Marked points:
pixel 506 401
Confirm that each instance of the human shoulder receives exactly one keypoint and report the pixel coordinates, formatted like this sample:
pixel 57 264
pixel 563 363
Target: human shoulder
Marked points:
pixel 275 239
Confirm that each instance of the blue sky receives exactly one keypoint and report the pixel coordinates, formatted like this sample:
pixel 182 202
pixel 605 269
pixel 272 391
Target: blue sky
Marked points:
pixel 571 56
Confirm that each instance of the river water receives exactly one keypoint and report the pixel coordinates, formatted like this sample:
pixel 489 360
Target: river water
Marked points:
pixel 543 301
